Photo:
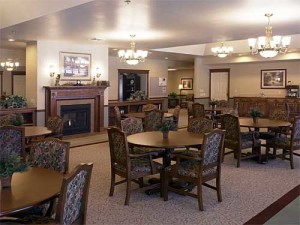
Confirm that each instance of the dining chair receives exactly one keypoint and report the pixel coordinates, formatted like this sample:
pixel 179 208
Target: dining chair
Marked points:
pixel 117 116
pixel 176 113
pixel 55 124
pixel 198 110
pixel 131 167
pixel 12 141
pixel 153 118
pixel 286 143
pixel 198 170
pixel 149 107
pixel 72 202
pixel 239 141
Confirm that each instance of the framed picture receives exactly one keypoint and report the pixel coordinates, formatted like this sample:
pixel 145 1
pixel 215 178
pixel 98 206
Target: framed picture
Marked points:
pixel 187 83
pixel 75 66
pixel 271 79
pixel 162 81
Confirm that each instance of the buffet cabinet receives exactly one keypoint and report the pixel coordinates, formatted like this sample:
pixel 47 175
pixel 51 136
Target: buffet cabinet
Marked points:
pixel 267 105
pixel 131 106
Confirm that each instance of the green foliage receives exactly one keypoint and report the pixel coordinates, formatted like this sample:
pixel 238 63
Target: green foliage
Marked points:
pixel 17 119
pixel 172 95
pixel 166 125
pixel 13 101
pixel 138 95
pixel 254 112
pixel 213 102
pixel 11 164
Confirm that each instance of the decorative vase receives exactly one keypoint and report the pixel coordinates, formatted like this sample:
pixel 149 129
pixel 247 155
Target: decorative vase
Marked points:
pixel 255 119
pixel 165 134
pixel 6 181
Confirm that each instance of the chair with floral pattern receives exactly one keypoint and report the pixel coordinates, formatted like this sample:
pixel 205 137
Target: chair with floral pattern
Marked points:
pixel 198 110
pixel 149 107
pixel 118 116
pixel 72 202
pixel 176 115
pixel 198 170
pixel 286 143
pixel 12 141
pixel 152 119
pixel 131 167
pixel 239 141
pixel 55 124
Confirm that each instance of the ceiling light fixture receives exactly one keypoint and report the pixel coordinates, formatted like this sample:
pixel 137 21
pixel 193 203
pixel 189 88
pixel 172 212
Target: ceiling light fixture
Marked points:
pixel 132 56
pixel 268 46
pixel 9 65
pixel 222 51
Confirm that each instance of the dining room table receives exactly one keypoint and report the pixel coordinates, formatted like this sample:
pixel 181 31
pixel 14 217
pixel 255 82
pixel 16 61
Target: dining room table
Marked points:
pixel 28 189
pixel 262 123
pixel 32 132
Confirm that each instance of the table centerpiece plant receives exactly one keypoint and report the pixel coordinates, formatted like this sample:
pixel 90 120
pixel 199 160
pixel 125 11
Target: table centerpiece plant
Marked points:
pixel 165 127
pixel 213 103
pixel 9 164
pixel 255 113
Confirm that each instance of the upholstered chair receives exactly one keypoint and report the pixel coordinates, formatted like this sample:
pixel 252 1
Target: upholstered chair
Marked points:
pixel 5 120
pixel 198 170
pixel 176 115
pixel 131 167
pixel 198 110
pixel 190 110
pixel 117 116
pixel 12 141
pixel 152 119
pixel 55 124
pixel 72 202
pixel 239 141
pixel 149 107
pixel 287 144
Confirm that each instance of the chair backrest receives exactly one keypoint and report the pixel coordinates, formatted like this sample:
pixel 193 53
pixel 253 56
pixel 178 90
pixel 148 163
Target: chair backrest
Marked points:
pixel 190 109
pixel 211 150
pixel 132 125
pixel 55 124
pixel 198 110
pixel 231 124
pixel 117 116
pixel 295 136
pixel 73 198
pixel 153 119
pixel 279 114
pixel 118 148
pixel 149 107
pixel 50 153
pixel 12 140
pixel 190 97
pixel 5 120
pixel 223 103
pixel 176 115
pixel 200 125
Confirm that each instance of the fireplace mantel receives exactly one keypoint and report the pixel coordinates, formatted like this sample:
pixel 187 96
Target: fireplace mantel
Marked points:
pixel 54 96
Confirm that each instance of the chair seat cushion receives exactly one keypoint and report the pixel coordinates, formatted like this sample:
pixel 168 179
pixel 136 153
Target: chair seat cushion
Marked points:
pixel 191 153
pixel 189 168
pixel 279 142
pixel 266 135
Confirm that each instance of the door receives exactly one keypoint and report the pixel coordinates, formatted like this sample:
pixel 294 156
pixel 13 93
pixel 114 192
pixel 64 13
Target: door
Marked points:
pixel 219 84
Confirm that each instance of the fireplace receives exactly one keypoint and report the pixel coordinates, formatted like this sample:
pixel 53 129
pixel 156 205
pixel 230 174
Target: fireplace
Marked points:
pixel 76 118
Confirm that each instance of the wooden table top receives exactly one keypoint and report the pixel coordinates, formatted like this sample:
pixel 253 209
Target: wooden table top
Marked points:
pixel 176 139
pixel 36 131
pixel 30 188
pixel 263 123
pixel 141 115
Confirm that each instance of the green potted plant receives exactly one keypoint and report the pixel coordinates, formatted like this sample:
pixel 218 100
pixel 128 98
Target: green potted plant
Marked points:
pixel 173 95
pixel 9 164
pixel 213 103
pixel 165 127
pixel 17 119
pixel 13 101
pixel 255 113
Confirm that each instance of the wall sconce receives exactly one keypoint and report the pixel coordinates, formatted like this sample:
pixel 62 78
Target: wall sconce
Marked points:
pixel 98 72
pixel 52 71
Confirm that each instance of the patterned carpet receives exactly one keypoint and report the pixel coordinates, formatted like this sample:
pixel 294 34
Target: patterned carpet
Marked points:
pixel 246 192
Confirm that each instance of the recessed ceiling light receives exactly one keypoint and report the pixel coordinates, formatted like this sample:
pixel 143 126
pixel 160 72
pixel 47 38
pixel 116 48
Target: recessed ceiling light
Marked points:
pixel 11 39
pixel 96 39
pixel 115 49
pixel 172 69
pixel 166 58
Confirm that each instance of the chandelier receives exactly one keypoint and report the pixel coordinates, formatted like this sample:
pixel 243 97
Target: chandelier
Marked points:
pixel 268 46
pixel 132 56
pixel 222 51
pixel 9 65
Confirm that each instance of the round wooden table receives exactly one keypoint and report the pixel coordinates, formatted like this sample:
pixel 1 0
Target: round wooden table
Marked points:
pixel 36 131
pixel 141 115
pixel 30 188
pixel 262 123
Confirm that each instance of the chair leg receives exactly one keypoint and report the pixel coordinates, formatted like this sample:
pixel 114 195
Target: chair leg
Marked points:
pixel 128 191
pixel 218 185
pixel 291 159
pixel 161 184
pixel 259 154
pixel 112 183
pixel 165 182
pixel 223 154
pixel 141 182
pixel 238 158
pixel 199 194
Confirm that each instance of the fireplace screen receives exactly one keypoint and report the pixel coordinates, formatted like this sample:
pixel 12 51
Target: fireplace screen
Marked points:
pixel 76 119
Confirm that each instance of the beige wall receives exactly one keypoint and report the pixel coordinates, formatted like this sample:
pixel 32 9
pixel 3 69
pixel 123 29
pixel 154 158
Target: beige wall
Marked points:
pixel 175 79
pixel 157 68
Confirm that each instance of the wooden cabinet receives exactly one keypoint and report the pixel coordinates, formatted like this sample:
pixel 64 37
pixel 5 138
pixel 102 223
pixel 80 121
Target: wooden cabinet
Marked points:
pixel 267 105
pixel 29 114
pixel 131 84
pixel 131 106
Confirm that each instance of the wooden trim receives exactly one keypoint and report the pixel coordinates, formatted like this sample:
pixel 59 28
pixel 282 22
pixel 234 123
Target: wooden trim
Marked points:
pixel 216 71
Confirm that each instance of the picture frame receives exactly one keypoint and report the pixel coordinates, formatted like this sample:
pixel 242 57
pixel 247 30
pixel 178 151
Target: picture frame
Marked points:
pixel 273 79
pixel 75 66
pixel 187 83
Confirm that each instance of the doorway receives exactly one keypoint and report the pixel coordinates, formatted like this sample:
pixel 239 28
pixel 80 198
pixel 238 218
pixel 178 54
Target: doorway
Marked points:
pixel 219 84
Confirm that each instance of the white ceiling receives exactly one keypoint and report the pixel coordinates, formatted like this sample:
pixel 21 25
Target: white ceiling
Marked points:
pixel 172 26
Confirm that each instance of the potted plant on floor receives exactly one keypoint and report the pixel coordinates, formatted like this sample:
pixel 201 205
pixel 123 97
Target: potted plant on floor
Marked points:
pixel 255 113
pixel 9 164
pixel 165 127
